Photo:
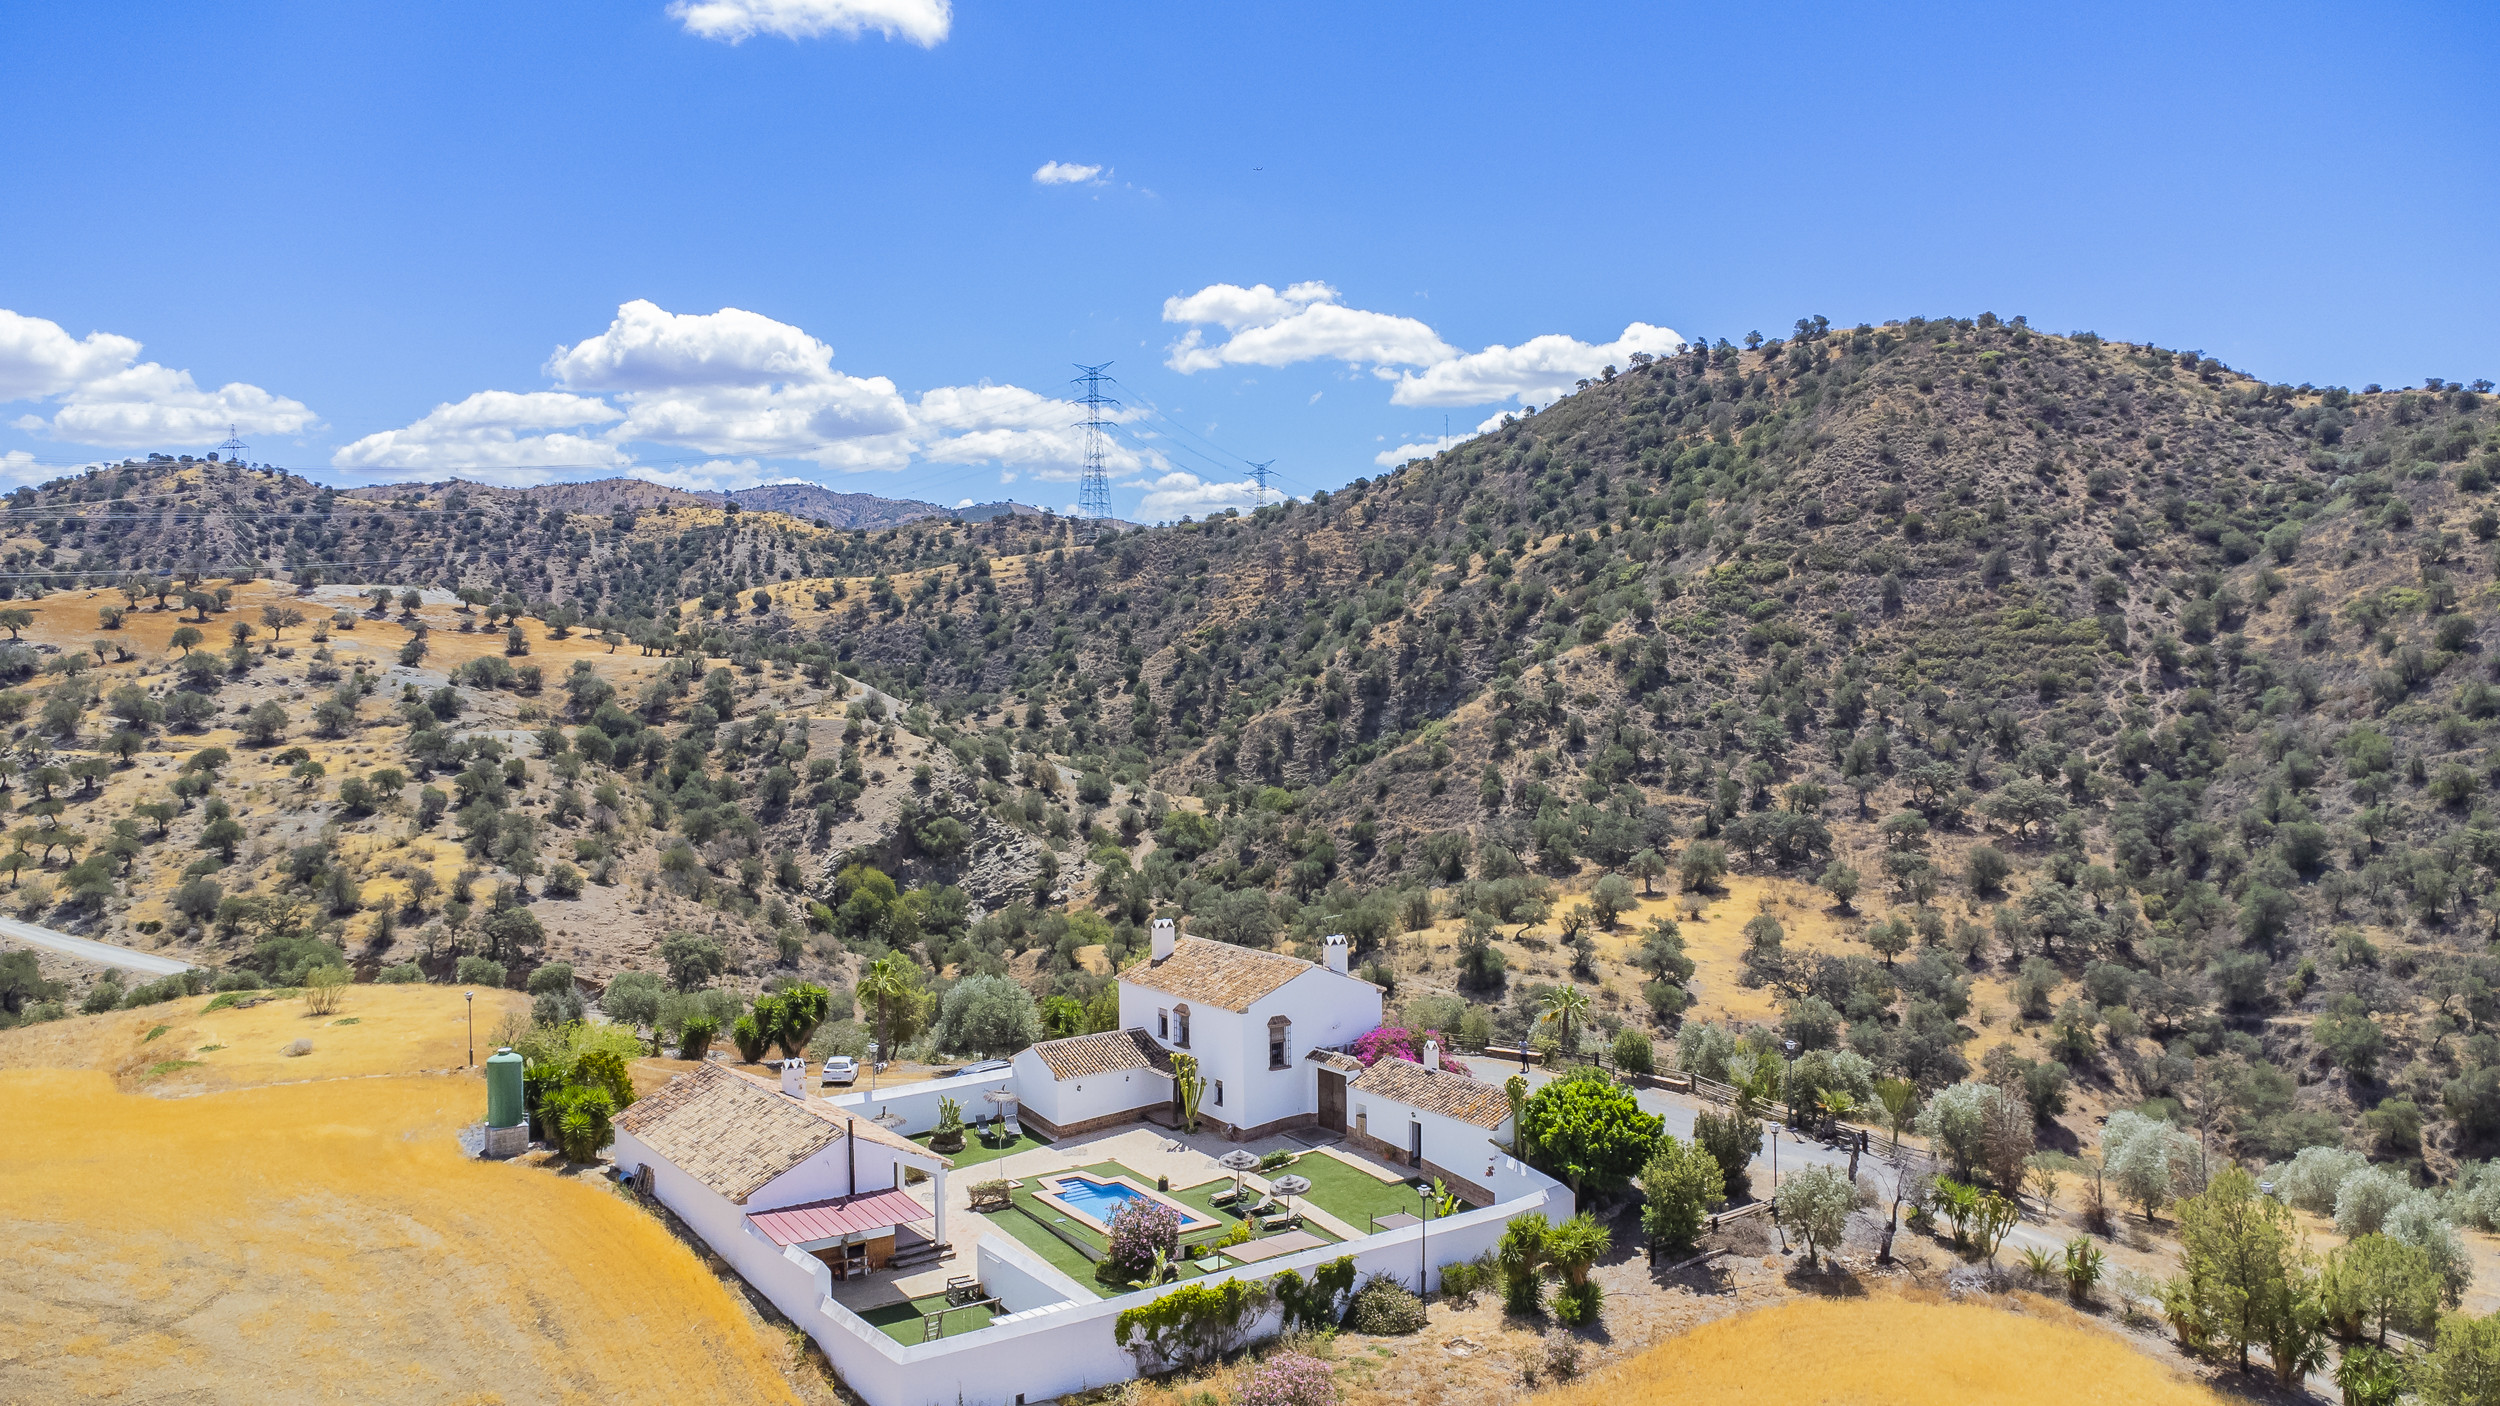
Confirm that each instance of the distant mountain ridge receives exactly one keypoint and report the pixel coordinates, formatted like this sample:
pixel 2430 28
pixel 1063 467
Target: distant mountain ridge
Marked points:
pixel 806 501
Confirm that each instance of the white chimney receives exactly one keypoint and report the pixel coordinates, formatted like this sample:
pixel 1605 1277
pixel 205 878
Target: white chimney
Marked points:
pixel 1432 1054
pixel 1167 937
pixel 1333 950
pixel 794 1077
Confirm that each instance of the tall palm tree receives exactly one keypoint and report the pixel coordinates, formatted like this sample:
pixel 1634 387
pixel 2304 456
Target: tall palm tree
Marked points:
pixel 885 980
pixel 1566 1007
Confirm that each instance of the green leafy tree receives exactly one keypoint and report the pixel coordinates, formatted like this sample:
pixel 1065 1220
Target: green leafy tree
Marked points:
pixel 989 1015
pixel 1814 1206
pixel 1703 865
pixel 1679 1185
pixel 1733 1140
pixel 2374 1283
pixel 2463 1366
pixel 692 959
pixel 1589 1131
pixel 2242 1262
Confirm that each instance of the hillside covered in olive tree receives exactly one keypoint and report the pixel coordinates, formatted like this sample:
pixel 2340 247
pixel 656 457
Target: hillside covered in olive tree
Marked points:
pixel 2107 719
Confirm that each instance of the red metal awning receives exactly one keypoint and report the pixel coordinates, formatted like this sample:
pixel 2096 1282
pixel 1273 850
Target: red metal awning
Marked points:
pixel 843 1215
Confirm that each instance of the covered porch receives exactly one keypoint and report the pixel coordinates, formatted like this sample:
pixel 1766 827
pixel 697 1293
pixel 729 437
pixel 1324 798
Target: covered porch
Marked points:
pixel 864 1234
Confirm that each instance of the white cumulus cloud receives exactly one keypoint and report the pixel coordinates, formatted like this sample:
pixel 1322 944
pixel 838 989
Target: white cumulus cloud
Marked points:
pixel 1303 323
pixel 1066 173
pixel 740 388
pixel 1392 458
pixel 1178 494
pixel 1540 368
pixel 737 383
pixel 922 22
pixel 38 359
pixel 19 467
pixel 104 395
pixel 1260 326
pixel 512 437
pixel 711 476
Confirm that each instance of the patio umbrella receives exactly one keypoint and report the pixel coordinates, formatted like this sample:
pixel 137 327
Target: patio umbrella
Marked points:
pixel 1002 1107
pixel 1289 1187
pixel 1237 1161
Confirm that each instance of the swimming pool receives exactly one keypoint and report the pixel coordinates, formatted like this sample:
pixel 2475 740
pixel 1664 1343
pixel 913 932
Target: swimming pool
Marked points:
pixel 1099 1199
pixel 1094 1200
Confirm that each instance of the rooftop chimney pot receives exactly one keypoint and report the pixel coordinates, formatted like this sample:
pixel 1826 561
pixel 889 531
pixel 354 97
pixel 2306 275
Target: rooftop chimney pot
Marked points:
pixel 1167 935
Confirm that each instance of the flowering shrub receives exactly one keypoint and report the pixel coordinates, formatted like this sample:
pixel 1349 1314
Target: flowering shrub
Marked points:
pixel 1290 1379
pixel 1405 1044
pixel 1138 1229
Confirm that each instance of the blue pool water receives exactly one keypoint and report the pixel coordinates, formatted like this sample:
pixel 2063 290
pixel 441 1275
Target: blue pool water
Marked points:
pixel 1097 1199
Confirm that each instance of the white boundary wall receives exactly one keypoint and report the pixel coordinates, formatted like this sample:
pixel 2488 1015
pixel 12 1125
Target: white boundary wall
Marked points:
pixel 1042 1350
pixel 917 1104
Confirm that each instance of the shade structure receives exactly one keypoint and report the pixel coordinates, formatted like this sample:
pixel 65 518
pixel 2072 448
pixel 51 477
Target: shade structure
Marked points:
pixel 1290 1186
pixel 1237 1161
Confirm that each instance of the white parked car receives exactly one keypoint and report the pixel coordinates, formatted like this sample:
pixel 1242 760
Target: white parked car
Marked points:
pixel 841 1069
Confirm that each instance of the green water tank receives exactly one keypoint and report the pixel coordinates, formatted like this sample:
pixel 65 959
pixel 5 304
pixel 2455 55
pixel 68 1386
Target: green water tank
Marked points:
pixel 503 1090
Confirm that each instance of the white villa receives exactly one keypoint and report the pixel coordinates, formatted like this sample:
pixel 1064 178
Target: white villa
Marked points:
pixel 837 1212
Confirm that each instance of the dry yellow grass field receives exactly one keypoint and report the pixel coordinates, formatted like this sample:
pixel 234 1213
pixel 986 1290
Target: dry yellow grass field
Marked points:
pixel 1887 1352
pixel 376 1030
pixel 327 1241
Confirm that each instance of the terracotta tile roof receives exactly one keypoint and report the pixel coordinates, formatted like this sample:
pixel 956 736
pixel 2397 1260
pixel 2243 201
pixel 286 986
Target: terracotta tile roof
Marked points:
pixel 1218 973
pixel 734 1132
pixel 1336 1059
pixel 1106 1053
pixel 1436 1091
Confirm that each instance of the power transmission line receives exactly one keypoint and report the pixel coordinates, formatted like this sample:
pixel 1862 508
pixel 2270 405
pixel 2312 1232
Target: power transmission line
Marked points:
pixel 1093 495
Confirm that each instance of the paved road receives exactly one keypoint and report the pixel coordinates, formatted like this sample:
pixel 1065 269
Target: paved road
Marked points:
pixel 87 950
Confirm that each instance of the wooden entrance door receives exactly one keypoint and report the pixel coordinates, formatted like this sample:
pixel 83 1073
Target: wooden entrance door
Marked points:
pixel 1332 1100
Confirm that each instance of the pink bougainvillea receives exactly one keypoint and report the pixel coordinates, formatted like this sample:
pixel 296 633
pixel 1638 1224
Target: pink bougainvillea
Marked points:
pixel 1290 1379
pixel 1405 1044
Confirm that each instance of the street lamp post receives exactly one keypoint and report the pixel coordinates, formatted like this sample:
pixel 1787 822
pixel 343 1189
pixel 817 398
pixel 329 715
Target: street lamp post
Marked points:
pixel 1423 1240
pixel 471 998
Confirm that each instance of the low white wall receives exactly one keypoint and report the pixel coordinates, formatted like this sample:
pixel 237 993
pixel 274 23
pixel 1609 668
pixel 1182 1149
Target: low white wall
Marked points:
pixel 917 1104
pixel 1042 1352
pixel 1017 1279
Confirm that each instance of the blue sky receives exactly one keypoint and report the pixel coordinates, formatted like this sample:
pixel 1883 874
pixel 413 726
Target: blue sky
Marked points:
pixel 400 241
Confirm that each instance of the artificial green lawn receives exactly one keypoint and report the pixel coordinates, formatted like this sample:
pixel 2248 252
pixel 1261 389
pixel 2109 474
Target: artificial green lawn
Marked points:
pixel 1025 1223
pixel 1351 1196
pixel 975 1153
pixel 903 1321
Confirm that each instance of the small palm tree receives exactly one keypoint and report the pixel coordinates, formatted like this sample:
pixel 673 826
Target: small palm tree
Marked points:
pixel 1566 1008
pixel 884 981
pixel 1900 1100
pixel 1577 1244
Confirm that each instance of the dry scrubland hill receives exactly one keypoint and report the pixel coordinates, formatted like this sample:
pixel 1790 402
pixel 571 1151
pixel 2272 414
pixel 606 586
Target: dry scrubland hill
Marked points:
pixel 326 1240
pixel 2202 660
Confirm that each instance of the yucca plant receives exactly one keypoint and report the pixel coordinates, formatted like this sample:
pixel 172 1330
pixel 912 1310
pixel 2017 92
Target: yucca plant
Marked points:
pixel 2084 1264
pixel 2043 1263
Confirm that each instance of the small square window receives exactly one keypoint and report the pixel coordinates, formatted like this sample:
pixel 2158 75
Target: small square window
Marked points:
pixel 1219 1093
pixel 1275 1054
pixel 1163 1025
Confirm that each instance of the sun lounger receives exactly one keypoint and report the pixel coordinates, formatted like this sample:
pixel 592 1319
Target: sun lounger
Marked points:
pixel 1272 1224
pixel 1225 1197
